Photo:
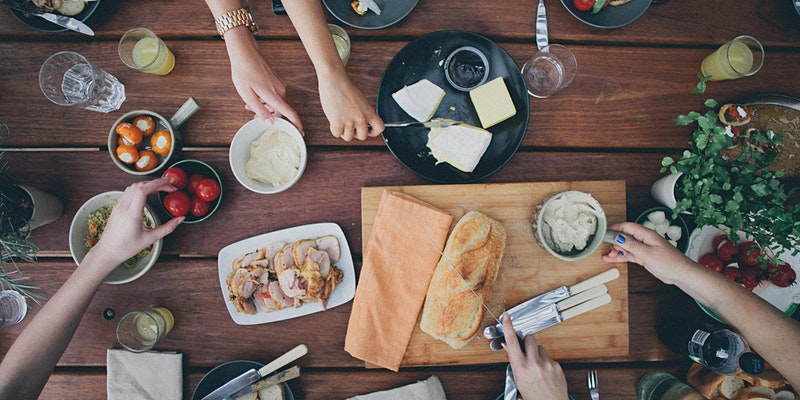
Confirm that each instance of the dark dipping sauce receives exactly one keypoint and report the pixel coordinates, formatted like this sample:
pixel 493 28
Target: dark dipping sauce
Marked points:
pixel 466 68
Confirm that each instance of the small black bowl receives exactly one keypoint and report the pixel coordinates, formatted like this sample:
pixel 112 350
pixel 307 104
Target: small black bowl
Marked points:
pixel 195 167
pixel 683 242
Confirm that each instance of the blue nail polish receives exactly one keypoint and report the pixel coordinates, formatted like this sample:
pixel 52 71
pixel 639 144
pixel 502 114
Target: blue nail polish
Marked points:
pixel 620 239
pixel 622 253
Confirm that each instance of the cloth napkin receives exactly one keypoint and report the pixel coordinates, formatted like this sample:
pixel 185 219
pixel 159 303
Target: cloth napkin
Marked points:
pixel 149 375
pixel 429 389
pixel 398 264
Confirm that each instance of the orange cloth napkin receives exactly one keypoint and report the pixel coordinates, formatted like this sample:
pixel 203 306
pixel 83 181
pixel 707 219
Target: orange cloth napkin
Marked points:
pixel 398 264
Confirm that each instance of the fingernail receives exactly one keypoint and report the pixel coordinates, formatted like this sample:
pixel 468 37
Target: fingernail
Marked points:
pixel 620 239
pixel 622 253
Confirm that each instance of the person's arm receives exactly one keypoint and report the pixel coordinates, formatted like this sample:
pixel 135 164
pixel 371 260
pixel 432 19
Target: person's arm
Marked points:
pixel 258 86
pixel 535 374
pixel 770 332
pixel 29 362
pixel 345 106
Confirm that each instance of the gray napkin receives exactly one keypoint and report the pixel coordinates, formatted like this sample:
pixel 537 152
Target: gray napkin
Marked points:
pixel 429 389
pixel 149 375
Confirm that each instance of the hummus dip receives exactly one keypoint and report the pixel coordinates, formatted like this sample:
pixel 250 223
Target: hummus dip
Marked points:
pixel 569 223
pixel 274 158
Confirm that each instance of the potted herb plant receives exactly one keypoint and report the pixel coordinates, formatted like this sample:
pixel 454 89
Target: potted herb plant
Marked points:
pixel 724 179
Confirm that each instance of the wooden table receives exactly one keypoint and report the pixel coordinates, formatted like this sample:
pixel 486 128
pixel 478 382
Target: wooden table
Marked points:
pixel 613 123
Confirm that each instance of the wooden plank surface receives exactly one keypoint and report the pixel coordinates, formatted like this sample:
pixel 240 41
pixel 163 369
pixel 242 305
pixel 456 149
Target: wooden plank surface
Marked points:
pixel 526 270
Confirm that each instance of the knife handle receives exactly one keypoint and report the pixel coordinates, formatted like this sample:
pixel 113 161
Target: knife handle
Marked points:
pixel 581 297
pixel 279 362
pixel 598 279
pixel 278 378
pixel 587 306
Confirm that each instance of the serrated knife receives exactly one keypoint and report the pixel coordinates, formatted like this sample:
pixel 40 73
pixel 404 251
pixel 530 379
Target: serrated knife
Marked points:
pixel 60 20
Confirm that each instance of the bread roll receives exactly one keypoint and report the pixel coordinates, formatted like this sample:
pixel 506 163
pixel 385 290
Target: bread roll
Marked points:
pixel 731 387
pixel 451 312
pixel 274 392
pixel 757 393
pixel 768 378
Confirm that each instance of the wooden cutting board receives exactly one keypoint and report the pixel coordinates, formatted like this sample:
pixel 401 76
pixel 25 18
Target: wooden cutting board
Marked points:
pixel 527 269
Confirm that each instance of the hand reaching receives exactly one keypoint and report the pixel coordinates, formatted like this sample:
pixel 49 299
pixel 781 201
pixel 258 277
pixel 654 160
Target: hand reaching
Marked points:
pixel 349 113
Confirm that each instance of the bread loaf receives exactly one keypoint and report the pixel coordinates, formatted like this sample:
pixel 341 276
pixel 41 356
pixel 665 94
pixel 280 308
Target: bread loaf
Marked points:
pixel 475 247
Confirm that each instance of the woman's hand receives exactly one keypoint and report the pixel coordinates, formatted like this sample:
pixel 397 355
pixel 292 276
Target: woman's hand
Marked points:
pixel 125 235
pixel 349 113
pixel 535 374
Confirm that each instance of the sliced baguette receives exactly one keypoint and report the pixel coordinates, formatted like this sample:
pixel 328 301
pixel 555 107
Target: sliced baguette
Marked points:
pixel 757 393
pixel 704 380
pixel 731 387
pixel 767 378
pixel 274 392
pixel 785 395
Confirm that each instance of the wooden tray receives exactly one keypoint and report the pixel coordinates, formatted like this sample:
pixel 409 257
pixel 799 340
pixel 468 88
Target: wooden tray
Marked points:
pixel 527 269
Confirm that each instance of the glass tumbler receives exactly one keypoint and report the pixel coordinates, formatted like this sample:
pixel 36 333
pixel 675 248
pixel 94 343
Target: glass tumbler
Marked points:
pixel 12 308
pixel 139 331
pixel 69 79
pixel 550 70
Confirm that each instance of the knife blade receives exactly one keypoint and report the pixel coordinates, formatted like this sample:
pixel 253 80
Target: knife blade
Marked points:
pixel 453 267
pixel 551 315
pixel 276 379
pixel 60 20
pixel 247 378
pixel 550 297
pixel 434 123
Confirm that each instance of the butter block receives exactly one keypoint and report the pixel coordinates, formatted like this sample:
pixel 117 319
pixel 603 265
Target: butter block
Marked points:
pixel 492 102
pixel 419 100
pixel 461 146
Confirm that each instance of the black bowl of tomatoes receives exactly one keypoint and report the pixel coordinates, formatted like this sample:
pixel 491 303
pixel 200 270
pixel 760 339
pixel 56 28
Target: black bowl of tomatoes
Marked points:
pixel 199 191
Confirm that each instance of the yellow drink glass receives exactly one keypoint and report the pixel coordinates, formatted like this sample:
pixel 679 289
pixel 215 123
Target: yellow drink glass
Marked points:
pixel 139 331
pixel 342 41
pixel 742 56
pixel 142 50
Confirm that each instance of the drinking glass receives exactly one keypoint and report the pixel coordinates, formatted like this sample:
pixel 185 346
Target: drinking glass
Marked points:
pixel 551 69
pixel 12 308
pixel 342 41
pixel 139 331
pixel 742 56
pixel 69 79
pixel 660 385
pixel 143 51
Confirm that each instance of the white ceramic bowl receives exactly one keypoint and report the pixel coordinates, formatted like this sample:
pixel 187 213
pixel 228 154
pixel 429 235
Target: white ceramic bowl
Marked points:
pixel 601 233
pixel 79 230
pixel 240 153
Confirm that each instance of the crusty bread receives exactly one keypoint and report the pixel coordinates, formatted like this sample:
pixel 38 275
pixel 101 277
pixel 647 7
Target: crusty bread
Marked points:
pixel 274 392
pixel 757 393
pixel 767 378
pixel 475 247
pixel 704 380
pixel 731 387
pixel 785 395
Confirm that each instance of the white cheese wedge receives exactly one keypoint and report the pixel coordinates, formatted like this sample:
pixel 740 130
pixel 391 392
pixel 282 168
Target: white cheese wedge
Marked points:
pixel 461 146
pixel 419 100
pixel 492 102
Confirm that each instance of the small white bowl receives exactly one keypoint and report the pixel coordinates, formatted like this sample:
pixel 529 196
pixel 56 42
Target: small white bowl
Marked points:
pixel 600 235
pixel 79 230
pixel 240 153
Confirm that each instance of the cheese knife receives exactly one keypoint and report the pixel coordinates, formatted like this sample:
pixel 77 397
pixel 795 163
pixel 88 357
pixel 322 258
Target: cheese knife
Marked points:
pixel 60 20
pixel 243 381
pixel 546 299
pixel 434 123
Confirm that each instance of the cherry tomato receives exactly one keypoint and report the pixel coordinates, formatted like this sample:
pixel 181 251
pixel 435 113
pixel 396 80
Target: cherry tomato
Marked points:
pixel 732 273
pixel 727 251
pixel 193 181
pixel 712 262
pixel 749 254
pixel 718 239
pixel 583 5
pixel 177 177
pixel 177 203
pixel 207 189
pixel 198 208
pixel 750 277
pixel 783 275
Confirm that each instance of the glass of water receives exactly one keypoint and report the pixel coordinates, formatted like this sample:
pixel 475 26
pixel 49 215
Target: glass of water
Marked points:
pixel 69 79
pixel 551 69
pixel 12 308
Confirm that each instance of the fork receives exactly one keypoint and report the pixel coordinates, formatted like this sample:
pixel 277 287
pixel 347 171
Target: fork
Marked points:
pixel 591 382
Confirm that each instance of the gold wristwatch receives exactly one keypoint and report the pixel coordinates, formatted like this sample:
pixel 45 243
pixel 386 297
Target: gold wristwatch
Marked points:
pixel 235 18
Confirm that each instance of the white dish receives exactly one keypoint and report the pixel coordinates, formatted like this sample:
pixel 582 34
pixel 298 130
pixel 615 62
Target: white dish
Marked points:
pixel 239 153
pixel 343 293
pixel 79 230
pixel 785 299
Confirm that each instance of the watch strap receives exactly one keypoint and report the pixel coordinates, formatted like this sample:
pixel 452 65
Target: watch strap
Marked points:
pixel 234 18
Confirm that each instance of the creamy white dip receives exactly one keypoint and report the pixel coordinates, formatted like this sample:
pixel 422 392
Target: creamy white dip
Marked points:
pixel 274 158
pixel 569 223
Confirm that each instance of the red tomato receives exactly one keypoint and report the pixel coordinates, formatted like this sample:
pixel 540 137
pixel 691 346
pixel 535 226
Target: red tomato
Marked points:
pixel 207 189
pixel 193 181
pixel 198 208
pixel 177 203
pixel 583 5
pixel 783 276
pixel 712 262
pixel 177 177
pixel 732 273
pixel 750 277
pixel 749 254
pixel 726 250
pixel 719 239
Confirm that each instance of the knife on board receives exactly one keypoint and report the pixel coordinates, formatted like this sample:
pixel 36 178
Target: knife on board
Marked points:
pixel 243 381
pixel 546 299
pixel 555 314
pixel 61 20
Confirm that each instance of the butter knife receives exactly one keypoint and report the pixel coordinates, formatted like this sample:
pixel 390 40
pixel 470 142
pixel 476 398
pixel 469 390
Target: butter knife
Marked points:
pixel 434 123
pixel 541 26
pixel 60 20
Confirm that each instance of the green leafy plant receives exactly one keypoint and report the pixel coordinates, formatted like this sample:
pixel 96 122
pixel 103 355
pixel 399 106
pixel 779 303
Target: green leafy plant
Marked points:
pixel 15 213
pixel 727 180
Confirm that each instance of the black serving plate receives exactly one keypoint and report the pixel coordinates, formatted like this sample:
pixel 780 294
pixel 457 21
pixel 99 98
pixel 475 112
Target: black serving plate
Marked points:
pixel 43 25
pixel 610 16
pixel 392 11
pixel 223 373
pixel 424 58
